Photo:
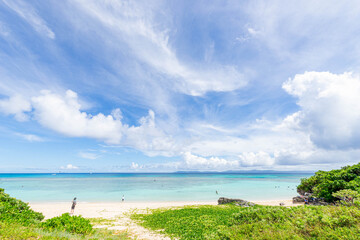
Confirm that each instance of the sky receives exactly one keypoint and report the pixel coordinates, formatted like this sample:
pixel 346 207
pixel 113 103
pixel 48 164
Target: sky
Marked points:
pixel 164 86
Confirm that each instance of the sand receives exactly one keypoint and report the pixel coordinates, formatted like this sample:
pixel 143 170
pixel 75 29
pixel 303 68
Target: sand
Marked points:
pixel 119 212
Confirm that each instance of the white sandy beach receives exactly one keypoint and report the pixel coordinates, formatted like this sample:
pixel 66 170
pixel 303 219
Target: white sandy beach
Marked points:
pixel 119 211
pixel 110 210
pixel 106 210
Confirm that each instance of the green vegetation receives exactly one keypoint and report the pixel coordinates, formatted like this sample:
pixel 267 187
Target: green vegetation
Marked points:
pixel 14 210
pixel 72 224
pixel 324 183
pixel 347 196
pixel 259 222
pixel 18 221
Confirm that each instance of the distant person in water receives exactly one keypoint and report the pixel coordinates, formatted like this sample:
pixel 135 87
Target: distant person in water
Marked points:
pixel 123 198
pixel 217 192
pixel 73 206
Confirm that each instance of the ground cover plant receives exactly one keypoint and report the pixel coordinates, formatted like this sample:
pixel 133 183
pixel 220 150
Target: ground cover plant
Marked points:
pixel 72 224
pixel 19 221
pixel 258 222
pixel 14 210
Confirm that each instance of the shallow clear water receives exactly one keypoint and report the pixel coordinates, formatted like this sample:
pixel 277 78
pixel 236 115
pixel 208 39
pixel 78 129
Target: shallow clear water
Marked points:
pixel 150 186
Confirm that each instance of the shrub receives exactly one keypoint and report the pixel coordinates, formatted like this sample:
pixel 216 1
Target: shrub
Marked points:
pixel 324 183
pixel 346 196
pixel 72 224
pixel 14 210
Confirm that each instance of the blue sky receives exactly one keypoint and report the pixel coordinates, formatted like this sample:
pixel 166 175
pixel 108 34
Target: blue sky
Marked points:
pixel 126 86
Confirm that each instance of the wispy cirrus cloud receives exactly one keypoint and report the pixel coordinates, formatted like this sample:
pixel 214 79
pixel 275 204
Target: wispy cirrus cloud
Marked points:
pixel 88 155
pixel 31 137
pixel 136 26
pixel 187 88
pixel 28 13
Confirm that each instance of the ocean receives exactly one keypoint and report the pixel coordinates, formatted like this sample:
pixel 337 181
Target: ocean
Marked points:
pixel 153 187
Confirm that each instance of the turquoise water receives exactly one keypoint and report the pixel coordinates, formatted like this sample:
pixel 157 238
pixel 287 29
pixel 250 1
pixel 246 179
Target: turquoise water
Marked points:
pixel 149 186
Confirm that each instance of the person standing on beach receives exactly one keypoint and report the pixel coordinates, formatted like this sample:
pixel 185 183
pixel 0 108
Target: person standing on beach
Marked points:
pixel 123 198
pixel 73 206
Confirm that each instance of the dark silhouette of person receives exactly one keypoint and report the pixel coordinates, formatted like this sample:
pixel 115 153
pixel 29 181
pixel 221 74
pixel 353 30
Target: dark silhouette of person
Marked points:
pixel 73 206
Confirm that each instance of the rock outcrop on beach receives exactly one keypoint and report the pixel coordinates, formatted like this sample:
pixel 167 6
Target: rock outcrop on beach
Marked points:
pixel 310 200
pixel 238 202
pixel 298 199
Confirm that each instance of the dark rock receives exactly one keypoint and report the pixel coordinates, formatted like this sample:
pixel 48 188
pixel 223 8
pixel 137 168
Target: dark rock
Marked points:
pixel 310 200
pixel 298 199
pixel 238 202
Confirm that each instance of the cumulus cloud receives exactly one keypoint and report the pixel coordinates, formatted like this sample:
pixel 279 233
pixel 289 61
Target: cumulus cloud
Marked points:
pixel 330 109
pixel 63 114
pixel 326 125
pixel 69 167
pixel 256 159
pixel 17 106
pixel 245 159
pixel 196 162
pixel 136 166
pixel 325 129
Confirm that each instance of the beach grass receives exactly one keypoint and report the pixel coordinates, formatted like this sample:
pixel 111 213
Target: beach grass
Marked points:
pixel 19 221
pixel 16 231
pixel 258 222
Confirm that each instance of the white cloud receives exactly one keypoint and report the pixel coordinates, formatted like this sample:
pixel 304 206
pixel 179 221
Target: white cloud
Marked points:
pixel 256 159
pixel 69 167
pixel 63 114
pixel 17 106
pixel 196 162
pixel 328 118
pixel 330 109
pixel 31 137
pixel 253 32
pixel 136 166
pixel 293 141
pixel 325 130
pixel 28 13
pixel 308 34
pixel 245 159
pixel 149 42
pixel 88 155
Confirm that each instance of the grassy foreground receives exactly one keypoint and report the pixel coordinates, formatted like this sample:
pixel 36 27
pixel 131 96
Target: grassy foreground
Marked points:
pixel 19 221
pixel 15 231
pixel 259 222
